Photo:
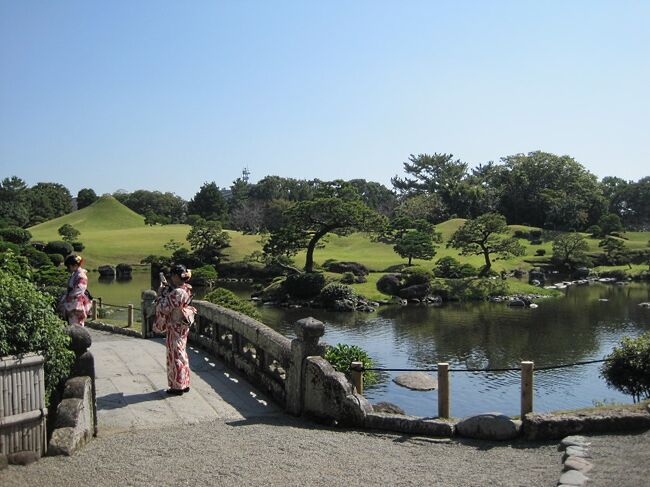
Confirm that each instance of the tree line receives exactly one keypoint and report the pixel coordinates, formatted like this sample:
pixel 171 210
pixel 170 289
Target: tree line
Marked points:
pixel 537 189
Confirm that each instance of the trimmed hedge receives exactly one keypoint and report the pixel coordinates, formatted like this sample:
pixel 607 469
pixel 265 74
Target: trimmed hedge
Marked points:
pixel 228 299
pixel 15 235
pixel 304 286
pixel 59 247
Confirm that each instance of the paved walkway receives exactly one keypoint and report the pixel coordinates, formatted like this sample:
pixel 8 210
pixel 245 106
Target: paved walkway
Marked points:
pixel 131 382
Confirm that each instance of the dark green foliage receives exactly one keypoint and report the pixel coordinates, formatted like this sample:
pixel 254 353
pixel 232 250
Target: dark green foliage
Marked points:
pixel 615 251
pixel 228 299
pixel 540 252
pixel 208 240
pixel 78 246
pixel 569 251
pixel 337 291
pixel 348 278
pixel 35 257
pixel 157 207
pixel 416 275
pixel 595 231
pixel 304 286
pixel 451 268
pixel 209 203
pixel 15 248
pixel 628 367
pixel 610 223
pixel 48 201
pixel 415 244
pixel 15 235
pixel 68 232
pixel 56 259
pixel 58 247
pixel 50 275
pixel 204 276
pixel 86 197
pixel 28 324
pixel 342 355
pixel 389 284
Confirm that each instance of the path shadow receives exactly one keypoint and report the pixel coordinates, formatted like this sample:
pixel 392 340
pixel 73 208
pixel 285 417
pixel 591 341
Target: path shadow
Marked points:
pixel 118 400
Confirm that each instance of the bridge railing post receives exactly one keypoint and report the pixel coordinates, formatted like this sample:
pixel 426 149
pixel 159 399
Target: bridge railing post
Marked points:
pixel 148 312
pixel 306 344
pixel 356 372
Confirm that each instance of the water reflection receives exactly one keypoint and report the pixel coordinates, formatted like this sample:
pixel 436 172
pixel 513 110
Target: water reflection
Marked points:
pixel 583 325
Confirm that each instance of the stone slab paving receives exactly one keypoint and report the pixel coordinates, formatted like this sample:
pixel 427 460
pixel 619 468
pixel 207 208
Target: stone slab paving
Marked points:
pixel 131 382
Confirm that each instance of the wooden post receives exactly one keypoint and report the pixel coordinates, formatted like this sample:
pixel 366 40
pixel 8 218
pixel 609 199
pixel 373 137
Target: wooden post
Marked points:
pixel 443 390
pixel 93 310
pixel 129 318
pixel 356 371
pixel 99 303
pixel 526 388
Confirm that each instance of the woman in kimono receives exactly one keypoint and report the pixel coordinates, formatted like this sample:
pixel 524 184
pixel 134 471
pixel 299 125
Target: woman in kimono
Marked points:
pixel 75 304
pixel 174 315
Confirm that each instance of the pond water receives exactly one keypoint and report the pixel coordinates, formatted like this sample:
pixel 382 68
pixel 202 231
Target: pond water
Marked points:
pixel 580 326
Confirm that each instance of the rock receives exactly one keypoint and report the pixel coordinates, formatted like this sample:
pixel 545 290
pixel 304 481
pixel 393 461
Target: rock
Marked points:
pixel 389 284
pixel 577 463
pixel 535 282
pixel 418 291
pixel 574 440
pixel 343 305
pixel 644 305
pixel 573 477
pixel 123 271
pixel 417 381
pixel 22 458
pixel 536 275
pixel 581 273
pixel 576 451
pixel 489 426
pixel 3 461
pixel 353 267
pixel 387 407
pixel 106 271
pixel 516 303
pixel 80 339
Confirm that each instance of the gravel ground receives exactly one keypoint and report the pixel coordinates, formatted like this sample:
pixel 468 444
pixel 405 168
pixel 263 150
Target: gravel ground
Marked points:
pixel 286 451
pixel 620 460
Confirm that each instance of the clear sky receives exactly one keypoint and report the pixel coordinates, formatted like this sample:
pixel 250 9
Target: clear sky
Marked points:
pixel 167 95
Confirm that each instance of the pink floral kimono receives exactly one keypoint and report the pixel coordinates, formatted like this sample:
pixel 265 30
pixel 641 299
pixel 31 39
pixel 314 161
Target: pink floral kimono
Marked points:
pixel 174 315
pixel 75 304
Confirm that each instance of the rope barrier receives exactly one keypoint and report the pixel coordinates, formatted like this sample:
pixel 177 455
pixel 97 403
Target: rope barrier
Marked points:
pixel 506 369
pixel 119 306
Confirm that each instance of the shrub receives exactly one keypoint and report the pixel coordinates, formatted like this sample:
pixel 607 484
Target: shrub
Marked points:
pixel 348 278
pixel 416 275
pixel 50 276
pixel 342 355
pixel 304 286
pixel 337 292
pixel 29 324
pixel 204 276
pixel 450 268
pixel 228 299
pixel 56 259
pixel 59 247
pixel 14 248
pixel 628 367
pixel 78 246
pixel 389 284
pixel 15 235
pixel 535 235
pixel 481 289
pixel 540 252
pixel 36 258
pixel 618 274
pixel 595 231
pixel 521 234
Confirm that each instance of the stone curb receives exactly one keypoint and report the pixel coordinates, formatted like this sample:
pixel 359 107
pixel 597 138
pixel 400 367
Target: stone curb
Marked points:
pixel 75 418
pixel 98 325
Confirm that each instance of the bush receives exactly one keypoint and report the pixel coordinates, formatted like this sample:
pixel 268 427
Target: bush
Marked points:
pixel 228 299
pixel 348 278
pixel 628 367
pixel 15 235
pixel 535 235
pixel 416 275
pixel 29 324
pixel 481 289
pixel 618 274
pixel 51 276
pixel 58 247
pixel 342 355
pixel 36 258
pixel 540 252
pixel 204 276
pixel 78 246
pixel 14 248
pixel 389 284
pixel 304 286
pixel 450 268
pixel 56 259
pixel 337 292
pixel 595 231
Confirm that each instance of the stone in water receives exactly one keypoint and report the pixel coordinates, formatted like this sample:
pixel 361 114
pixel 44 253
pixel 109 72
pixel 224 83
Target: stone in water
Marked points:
pixel 417 381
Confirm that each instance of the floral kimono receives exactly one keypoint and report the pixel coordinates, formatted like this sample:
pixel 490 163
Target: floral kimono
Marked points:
pixel 75 304
pixel 174 315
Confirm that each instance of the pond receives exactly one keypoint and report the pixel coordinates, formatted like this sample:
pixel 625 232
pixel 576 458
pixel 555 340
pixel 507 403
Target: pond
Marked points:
pixel 583 325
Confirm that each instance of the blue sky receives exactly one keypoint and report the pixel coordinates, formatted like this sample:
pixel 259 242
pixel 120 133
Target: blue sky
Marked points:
pixel 166 95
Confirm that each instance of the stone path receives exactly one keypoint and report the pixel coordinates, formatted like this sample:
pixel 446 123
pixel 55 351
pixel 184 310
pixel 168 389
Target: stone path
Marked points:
pixel 131 383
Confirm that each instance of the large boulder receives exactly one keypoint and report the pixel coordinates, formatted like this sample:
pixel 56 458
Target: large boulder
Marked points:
pixel 106 271
pixel 417 381
pixel 389 284
pixel 418 291
pixel 388 408
pixel 536 275
pixel 123 271
pixel 489 426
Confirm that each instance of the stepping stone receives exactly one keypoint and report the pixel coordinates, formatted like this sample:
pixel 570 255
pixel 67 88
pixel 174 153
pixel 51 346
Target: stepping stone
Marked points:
pixel 574 441
pixel 577 463
pixel 576 451
pixel 417 381
pixel 573 478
